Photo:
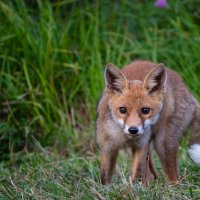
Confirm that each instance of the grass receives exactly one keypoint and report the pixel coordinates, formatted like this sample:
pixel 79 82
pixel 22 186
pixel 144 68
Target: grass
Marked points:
pixel 52 58
pixel 40 176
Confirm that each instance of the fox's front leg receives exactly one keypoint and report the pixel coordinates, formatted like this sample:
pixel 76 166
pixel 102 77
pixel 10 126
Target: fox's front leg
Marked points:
pixel 152 168
pixel 108 162
pixel 142 165
pixel 139 165
pixel 136 160
pixel 167 150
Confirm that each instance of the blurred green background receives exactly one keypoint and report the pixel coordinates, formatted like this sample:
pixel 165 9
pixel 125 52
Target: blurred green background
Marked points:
pixel 52 58
pixel 53 54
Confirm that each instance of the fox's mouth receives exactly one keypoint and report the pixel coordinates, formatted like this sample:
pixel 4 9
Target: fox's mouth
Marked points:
pixel 133 135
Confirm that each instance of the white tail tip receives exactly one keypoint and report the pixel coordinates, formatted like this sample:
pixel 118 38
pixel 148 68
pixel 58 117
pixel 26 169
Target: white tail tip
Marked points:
pixel 194 153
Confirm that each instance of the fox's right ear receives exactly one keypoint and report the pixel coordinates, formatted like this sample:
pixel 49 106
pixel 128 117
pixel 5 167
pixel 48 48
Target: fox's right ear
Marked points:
pixel 155 81
pixel 114 78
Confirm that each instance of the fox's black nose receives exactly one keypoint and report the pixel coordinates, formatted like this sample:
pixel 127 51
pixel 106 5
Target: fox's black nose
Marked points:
pixel 133 130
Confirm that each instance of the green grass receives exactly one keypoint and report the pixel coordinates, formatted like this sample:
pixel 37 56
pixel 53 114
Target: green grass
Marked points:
pixel 40 176
pixel 52 58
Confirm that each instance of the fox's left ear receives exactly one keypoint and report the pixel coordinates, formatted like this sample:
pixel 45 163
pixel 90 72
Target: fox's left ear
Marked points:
pixel 155 80
pixel 115 80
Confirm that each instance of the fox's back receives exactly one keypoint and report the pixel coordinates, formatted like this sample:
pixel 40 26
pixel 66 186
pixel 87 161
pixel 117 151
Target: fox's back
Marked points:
pixel 138 70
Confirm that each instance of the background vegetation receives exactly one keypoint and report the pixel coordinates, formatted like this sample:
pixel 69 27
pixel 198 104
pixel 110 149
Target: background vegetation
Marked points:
pixel 52 58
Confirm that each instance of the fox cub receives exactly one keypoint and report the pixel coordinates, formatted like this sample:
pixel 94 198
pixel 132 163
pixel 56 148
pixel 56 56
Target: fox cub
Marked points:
pixel 145 103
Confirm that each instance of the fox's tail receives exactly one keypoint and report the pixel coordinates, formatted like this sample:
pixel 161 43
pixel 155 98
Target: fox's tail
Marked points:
pixel 194 153
pixel 194 150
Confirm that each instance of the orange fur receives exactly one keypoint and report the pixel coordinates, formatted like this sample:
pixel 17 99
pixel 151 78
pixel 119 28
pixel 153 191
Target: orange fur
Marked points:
pixel 139 85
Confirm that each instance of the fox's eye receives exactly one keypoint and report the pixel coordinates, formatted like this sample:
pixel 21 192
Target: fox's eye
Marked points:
pixel 145 110
pixel 122 110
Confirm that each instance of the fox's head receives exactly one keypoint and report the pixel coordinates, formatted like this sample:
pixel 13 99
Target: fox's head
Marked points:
pixel 135 105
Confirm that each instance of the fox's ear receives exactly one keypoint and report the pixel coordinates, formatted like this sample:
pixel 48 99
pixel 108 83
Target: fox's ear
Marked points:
pixel 114 78
pixel 155 80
